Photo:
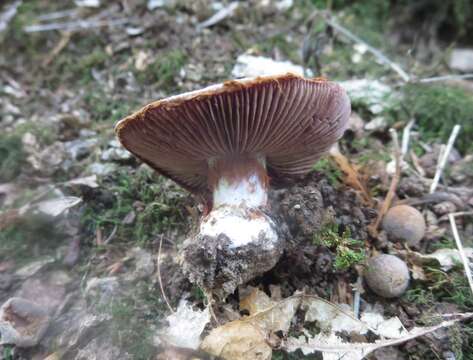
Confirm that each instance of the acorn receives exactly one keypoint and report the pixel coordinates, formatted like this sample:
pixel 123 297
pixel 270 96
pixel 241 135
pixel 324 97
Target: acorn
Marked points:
pixel 404 223
pixel 387 275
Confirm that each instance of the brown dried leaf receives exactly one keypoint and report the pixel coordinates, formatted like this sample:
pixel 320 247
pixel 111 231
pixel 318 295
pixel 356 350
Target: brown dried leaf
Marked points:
pixel 237 340
pixel 352 177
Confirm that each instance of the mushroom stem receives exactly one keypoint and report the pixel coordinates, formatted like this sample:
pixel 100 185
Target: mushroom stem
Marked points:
pixel 240 194
pixel 239 182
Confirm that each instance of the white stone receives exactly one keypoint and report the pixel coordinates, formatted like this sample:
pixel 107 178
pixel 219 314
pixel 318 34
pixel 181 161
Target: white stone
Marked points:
pixel 461 59
pixel 253 66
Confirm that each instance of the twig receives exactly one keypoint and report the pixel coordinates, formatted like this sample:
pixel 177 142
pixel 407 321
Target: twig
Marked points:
pixel 159 276
pixel 74 25
pixel 443 78
pixel 112 235
pixel 436 197
pixel 444 157
pixel 462 213
pixel 392 188
pixel 465 261
pixel 381 57
pixel 65 38
pixel 220 15
pixel 415 162
pixel 58 15
pixel 9 14
pixel 210 300
pixel 406 135
pixel 357 297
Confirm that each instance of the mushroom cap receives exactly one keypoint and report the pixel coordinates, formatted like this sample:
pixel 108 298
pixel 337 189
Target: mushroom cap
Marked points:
pixel 387 275
pixel 404 223
pixel 289 120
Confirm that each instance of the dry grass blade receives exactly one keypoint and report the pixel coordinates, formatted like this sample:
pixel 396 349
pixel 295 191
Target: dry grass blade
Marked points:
pixel 61 45
pixel 381 57
pixel 443 158
pixel 159 276
pixel 461 250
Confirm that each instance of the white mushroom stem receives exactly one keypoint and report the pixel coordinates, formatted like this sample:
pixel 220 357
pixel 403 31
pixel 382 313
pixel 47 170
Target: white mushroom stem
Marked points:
pixel 240 192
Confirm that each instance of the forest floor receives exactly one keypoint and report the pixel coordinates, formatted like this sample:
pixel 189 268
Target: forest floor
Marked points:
pixel 91 237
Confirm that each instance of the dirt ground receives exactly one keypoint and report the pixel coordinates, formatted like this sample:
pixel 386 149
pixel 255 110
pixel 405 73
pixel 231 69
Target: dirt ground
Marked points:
pixel 92 237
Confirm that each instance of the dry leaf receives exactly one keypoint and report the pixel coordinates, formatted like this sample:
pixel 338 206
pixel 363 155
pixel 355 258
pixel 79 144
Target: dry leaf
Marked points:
pixel 237 340
pixel 446 259
pixel 185 327
pixel 56 207
pixel 351 174
pixel 268 314
pixel 88 181
pixel 334 348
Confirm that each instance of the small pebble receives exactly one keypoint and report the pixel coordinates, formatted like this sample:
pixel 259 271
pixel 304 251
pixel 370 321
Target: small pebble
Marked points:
pixel 387 275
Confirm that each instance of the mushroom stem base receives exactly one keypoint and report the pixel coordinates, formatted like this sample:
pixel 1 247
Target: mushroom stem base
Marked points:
pixel 216 264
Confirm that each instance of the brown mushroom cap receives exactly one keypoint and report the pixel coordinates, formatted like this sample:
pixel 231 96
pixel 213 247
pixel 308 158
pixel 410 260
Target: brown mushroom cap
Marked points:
pixel 289 120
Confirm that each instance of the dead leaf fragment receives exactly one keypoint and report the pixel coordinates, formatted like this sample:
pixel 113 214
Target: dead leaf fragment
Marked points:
pixel 267 314
pixel 335 348
pixel 56 207
pixel 237 340
pixel 185 327
pixel 446 259
pixel 352 177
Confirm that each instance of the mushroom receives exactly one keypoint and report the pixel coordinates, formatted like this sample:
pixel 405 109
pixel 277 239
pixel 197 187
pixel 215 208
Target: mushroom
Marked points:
pixel 387 275
pixel 404 223
pixel 224 143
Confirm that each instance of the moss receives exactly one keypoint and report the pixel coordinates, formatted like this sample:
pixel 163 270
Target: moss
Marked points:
pixel 107 107
pixel 289 49
pixel 348 251
pixel 441 287
pixel 297 355
pixel 160 207
pixel 8 352
pixel 128 331
pixel 12 157
pixel 330 170
pixel 437 108
pixel 164 70
pixel 45 134
pixel 29 239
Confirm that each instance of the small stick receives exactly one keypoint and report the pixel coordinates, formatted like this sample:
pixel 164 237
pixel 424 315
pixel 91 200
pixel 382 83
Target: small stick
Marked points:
pixel 159 276
pixel 357 297
pixel 415 162
pixel 465 261
pixel 462 213
pixel 9 14
pixel 65 38
pixel 381 57
pixel 112 235
pixel 394 181
pixel 74 25
pixel 444 157
pixel 210 301
pixel 406 134
pixel 58 15
pixel 445 77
